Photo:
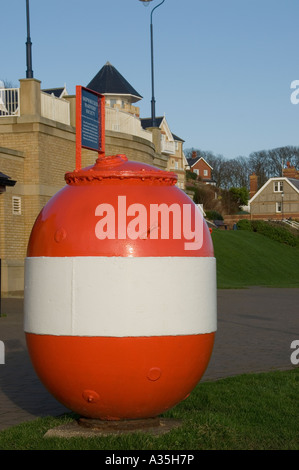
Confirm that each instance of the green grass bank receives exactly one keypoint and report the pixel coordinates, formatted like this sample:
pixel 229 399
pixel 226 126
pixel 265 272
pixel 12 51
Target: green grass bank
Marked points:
pixel 251 259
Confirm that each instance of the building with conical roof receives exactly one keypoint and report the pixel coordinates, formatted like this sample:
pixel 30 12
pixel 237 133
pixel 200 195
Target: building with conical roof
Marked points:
pixel 118 92
pixel 109 82
pixel 124 117
pixel 38 146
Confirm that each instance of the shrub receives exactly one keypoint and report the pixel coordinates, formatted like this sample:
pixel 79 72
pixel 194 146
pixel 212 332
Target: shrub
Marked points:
pixel 213 215
pixel 190 188
pixel 244 224
pixel 279 234
pixel 190 175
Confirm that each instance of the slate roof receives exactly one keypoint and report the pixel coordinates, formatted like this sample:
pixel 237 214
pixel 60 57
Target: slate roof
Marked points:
pixel 109 81
pixel 6 180
pixel 294 182
pixel 191 161
pixel 147 122
pixel 175 137
pixel 55 91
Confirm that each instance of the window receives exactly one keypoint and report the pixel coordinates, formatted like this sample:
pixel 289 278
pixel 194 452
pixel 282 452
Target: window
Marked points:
pixel 278 186
pixel 205 172
pixel 16 205
pixel 278 206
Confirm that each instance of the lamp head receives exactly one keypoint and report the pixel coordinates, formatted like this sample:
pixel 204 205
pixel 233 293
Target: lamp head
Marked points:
pixel 146 2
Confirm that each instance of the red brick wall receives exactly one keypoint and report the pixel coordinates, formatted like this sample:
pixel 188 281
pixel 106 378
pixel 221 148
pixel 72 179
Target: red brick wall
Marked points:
pixel 201 166
pixel 230 220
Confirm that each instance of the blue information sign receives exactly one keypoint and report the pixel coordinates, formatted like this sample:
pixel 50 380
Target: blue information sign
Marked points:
pixel 90 127
pixel 90 122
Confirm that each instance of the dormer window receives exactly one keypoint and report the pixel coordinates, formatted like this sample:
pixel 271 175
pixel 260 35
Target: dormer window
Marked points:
pixel 278 186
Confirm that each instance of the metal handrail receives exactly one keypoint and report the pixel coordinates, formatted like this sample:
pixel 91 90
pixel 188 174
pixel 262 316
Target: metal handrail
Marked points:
pixel 9 102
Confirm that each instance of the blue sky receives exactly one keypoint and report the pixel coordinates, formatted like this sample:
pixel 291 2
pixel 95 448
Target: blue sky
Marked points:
pixel 223 68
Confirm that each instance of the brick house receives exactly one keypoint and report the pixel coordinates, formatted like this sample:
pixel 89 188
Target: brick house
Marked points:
pixel 199 166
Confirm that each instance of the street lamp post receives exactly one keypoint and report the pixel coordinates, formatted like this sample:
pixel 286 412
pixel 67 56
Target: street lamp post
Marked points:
pixel 153 101
pixel 29 71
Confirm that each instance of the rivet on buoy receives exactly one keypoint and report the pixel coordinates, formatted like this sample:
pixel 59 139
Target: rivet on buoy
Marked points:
pixel 154 374
pixel 91 396
pixel 60 235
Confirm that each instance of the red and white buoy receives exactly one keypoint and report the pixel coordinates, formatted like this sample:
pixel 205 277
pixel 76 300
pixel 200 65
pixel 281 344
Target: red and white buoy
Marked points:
pixel 120 292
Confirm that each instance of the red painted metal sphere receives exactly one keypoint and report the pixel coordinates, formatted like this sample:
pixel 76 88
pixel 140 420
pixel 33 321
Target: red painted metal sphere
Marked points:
pixel 120 292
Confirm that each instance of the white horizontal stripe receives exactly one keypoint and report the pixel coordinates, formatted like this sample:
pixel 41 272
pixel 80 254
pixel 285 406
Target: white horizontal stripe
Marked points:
pixel 120 296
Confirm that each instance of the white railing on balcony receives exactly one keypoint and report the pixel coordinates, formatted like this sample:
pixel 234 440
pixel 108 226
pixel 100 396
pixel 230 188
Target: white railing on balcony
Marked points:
pixel 167 146
pixel 9 102
pixel 121 121
pixel 56 109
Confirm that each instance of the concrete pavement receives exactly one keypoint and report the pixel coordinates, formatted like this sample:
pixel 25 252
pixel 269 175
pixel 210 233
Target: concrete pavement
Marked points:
pixel 256 327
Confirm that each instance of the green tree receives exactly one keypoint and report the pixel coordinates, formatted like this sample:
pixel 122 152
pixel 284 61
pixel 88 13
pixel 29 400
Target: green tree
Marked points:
pixel 240 195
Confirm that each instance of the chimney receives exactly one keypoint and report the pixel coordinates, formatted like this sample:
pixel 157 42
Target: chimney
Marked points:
pixel 290 172
pixel 253 185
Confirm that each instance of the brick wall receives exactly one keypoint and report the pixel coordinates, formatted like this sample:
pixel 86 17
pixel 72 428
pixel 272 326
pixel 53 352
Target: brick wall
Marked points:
pixel 230 220
pixel 36 154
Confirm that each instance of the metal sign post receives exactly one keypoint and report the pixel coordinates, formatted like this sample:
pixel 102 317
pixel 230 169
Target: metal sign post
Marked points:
pixel 90 122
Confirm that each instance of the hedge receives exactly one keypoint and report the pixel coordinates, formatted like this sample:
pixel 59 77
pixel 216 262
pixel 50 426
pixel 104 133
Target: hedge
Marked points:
pixel 279 234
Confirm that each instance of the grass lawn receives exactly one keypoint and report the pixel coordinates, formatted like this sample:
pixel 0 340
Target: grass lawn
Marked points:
pixel 246 412
pixel 250 259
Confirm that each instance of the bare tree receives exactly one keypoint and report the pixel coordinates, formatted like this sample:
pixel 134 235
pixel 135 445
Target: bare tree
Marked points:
pixel 270 163
pixel 235 172
pixel 7 83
